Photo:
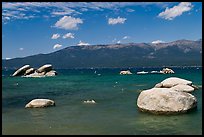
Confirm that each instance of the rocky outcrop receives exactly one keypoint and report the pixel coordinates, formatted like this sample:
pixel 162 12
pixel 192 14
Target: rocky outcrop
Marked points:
pixel 21 70
pixel 36 74
pixel 183 88
pixel 45 68
pixel 127 72
pixel 165 101
pixel 51 73
pixel 172 95
pixel 29 71
pixel 40 103
pixel 158 85
pixel 142 72
pixel 173 81
pixel 167 71
pixel 90 101
pixel 43 71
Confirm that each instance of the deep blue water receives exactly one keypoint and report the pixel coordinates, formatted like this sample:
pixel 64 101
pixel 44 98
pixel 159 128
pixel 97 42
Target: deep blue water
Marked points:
pixel 115 111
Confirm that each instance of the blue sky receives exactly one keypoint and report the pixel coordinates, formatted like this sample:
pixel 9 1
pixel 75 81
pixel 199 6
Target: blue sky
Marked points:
pixel 33 28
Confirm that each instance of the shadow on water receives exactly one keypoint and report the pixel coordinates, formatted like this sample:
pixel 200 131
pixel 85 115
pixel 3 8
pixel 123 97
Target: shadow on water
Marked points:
pixel 151 124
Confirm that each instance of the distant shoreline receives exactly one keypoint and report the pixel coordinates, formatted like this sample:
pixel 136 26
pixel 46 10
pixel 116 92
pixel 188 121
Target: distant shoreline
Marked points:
pixel 120 67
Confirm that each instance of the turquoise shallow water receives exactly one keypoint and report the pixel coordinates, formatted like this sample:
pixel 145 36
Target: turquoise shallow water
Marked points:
pixel 115 111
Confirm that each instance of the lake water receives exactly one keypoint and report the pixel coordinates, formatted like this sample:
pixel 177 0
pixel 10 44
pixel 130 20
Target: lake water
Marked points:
pixel 115 111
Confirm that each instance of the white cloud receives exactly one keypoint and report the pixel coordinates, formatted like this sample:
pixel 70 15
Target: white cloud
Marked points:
pixel 170 14
pixel 118 42
pixel 68 35
pixel 8 58
pixel 126 37
pixel 82 43
pixel 7 18
pixel 114 40
pixel 66 12
pixel 57 46
pixel 157 41
pixel 118 20
pixel 130 10
pixel 84 9
pixel 21 49
pixel 54 9
pixel 68 23
pixel 64 5
pixel 55 36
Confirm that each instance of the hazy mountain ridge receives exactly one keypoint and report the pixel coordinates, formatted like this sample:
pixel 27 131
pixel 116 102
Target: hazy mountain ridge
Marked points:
pixel 180 52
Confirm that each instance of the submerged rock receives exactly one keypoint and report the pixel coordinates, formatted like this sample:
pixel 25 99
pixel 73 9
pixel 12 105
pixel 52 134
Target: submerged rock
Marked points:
pixel 40 103
pixel 21 70
pixel 195 87
pixel 127 72
pixel 165 101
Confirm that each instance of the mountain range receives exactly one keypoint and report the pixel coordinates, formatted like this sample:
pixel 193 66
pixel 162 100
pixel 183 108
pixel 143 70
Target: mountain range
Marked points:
pixel 176 53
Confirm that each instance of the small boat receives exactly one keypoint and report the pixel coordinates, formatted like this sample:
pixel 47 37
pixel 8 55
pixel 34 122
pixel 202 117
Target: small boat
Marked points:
pixel 142 72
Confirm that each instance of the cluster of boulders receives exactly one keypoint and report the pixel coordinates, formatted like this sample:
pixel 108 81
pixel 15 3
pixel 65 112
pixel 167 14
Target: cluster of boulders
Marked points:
pixel 89 101
pixel 42 103
pixel 167 71
pixel 171 96
pixel 27 71
pixel 125 72
pixel 163 71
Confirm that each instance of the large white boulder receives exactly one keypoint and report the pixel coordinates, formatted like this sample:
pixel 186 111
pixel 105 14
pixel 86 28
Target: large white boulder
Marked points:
pixel 29 71
pixel 21 70
pixel 42 74
pixel 183 88
pixel 165 101
pixel 173 81
pixel 51 73
pixel 40 103
pixel 36 75
pixel 45 68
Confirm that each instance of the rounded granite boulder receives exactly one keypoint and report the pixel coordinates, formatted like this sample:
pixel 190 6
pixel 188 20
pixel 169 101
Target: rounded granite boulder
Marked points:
pixel 125 72
pixel 21 70
pixel 173 81
pixel 183 88
pixel 165 101
pixel 45 68
pixel 29 71
pixel 51 73
pixel 40 103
